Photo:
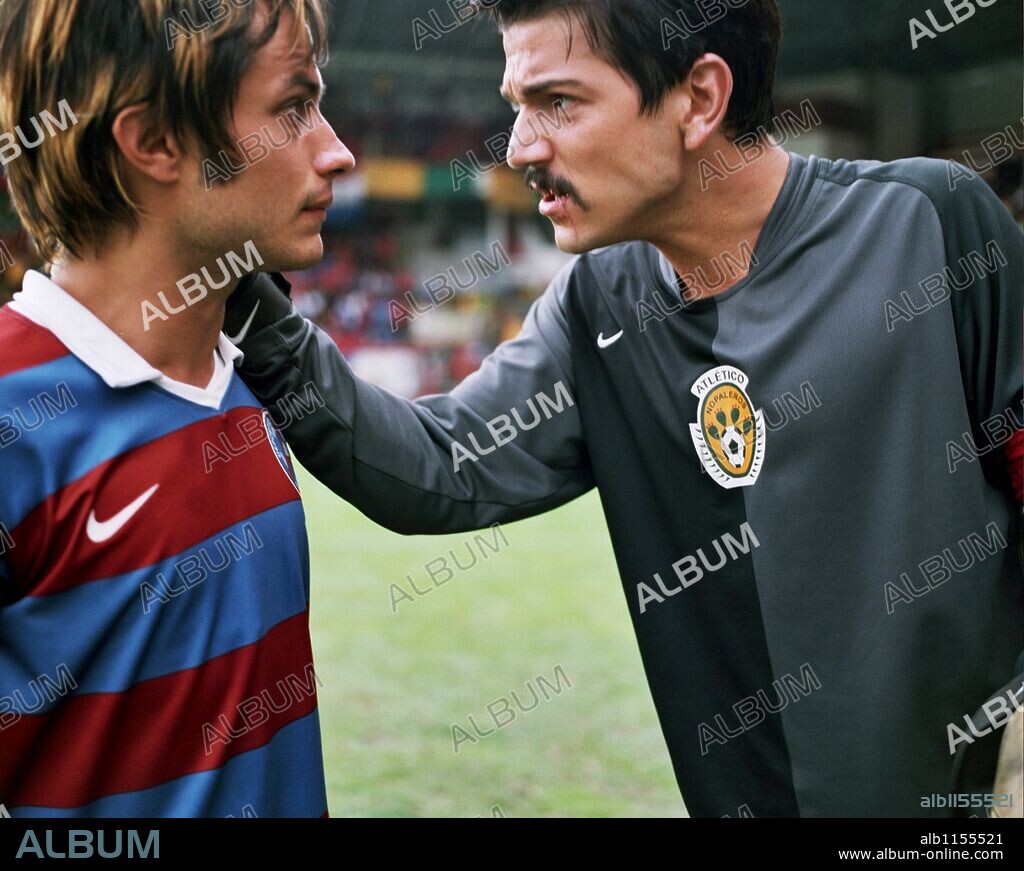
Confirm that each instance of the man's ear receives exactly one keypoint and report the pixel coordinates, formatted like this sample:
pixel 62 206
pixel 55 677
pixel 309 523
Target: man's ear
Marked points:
pixel 148 150
pixel 708 89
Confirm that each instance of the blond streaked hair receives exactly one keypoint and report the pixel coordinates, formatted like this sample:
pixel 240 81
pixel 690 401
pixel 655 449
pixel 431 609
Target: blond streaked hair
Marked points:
pixel 97 57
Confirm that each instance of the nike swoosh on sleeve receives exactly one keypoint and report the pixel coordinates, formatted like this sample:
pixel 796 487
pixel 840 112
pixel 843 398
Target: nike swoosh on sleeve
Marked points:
pixel 237 340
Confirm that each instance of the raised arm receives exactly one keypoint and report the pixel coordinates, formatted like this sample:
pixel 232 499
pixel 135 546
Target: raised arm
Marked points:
pixel 397 460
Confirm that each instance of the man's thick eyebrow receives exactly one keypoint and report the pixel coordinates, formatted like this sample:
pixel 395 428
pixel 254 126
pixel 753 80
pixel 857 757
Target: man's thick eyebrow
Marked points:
pixel 542 86
pixel 310 86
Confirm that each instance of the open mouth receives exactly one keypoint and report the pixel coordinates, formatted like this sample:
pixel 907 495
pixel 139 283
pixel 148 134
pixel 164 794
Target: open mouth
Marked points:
pixel 552 201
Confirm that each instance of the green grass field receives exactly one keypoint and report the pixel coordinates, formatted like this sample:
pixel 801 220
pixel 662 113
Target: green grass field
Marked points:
pixel 395 682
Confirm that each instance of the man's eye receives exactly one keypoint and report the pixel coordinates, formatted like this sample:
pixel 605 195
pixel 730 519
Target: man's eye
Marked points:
pixel 297 115
pixel 562 101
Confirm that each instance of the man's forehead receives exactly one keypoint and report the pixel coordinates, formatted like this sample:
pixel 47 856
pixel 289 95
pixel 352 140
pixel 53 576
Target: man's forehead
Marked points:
pixel 285 54
pixel 552 47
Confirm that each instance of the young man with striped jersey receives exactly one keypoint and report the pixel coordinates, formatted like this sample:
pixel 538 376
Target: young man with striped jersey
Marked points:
pixel 155 657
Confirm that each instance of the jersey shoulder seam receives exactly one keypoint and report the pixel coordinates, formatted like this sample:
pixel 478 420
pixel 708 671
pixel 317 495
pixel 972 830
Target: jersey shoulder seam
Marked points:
pixel 873 176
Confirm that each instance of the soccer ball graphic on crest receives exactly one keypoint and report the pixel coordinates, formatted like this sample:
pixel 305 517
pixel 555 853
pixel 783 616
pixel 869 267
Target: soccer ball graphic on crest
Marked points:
pixel 734 447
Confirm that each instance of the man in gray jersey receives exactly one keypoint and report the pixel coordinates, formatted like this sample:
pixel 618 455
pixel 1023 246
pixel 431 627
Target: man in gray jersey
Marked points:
pixel 796 383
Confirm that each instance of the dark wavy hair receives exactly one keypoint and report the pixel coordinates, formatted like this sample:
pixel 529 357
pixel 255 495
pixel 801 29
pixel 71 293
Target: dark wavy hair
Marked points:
pixel 655 43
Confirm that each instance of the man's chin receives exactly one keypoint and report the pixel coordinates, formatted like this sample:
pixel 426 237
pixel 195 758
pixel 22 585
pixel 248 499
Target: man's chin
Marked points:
pixel 584 234
pixel 571 241
pixel 296 259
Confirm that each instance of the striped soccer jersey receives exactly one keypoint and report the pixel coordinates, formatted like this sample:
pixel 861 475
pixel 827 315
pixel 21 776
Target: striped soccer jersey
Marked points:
pixel 155 657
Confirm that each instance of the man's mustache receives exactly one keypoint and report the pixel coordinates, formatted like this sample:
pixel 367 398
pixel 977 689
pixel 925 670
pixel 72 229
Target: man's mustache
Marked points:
pixel 560 186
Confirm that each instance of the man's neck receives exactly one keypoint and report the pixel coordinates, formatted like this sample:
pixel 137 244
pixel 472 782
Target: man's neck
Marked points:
pixel 123 288
pixel 711 239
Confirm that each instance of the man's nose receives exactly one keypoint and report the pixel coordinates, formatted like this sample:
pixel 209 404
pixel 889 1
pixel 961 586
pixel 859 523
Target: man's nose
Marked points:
pixel 335 158
pixel 530 144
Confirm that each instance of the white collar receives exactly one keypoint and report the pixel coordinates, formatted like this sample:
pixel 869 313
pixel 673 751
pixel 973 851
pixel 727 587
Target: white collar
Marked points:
pixel 106 353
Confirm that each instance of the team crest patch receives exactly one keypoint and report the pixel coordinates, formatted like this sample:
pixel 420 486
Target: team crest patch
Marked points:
pixel 280 447
pixel 729 435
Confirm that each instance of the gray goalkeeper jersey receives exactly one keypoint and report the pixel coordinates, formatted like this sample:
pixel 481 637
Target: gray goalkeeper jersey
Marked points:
pixel 803 477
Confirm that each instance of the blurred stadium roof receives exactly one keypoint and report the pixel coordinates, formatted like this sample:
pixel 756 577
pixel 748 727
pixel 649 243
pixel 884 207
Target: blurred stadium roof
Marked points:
pixel 376 68
pixel 371 36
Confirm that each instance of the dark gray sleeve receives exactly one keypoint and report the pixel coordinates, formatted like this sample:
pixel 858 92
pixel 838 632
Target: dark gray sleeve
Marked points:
pixel 984 282
pixel 980 231
pixel 393 458
pixel 984 243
